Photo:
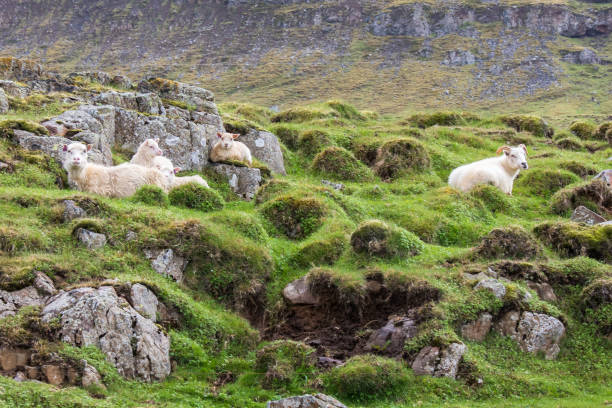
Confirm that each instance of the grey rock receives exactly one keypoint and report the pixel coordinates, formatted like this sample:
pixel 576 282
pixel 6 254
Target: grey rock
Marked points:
pixel 299 292
pixel 586 216
pixel 244 181
pixel 90 375
pixel 507 324
pixel 205 118
pixel 7 306
pixel 544 290
pixel 425 362
pixel 14 89
pixel 4 166
pixel 166 262
pixel 55 129
pixel 328 362
pixel 534 332
pixel 43 284
pixel 53 374
pixel 390 338
pixel 72 211
pixel 131 342
pixel 603 224
pixel 335 186
pixel 95 119
pixel 144 301
pixel 148 103
pixel 96 76
pixel 4 104
pixel 449 360
pixel 306 401
pixel 458 58
pixel 265 147
pixel 478 329
pixel 605 175
pixel 583 56
pixel 121 81
pixel 492 285
pixel 92 240
pixel 201 99
pixel 471 277
pixel 27 296
pixel 20 377
pixel 130 236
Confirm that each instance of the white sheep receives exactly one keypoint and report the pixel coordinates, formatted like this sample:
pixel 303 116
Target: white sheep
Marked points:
pixel 499 171
pixel 147 151
pixel 116 181
pixel 227 148
pixel 165 167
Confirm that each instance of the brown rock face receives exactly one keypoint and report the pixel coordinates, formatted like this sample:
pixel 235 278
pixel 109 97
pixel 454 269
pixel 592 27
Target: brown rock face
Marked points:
pixel 54 374
pixel 478 329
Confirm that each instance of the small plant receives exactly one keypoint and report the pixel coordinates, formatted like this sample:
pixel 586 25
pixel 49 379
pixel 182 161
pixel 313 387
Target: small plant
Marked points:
pixel 376 238
pixel 282 360
pixel 197 197
pixel 151 195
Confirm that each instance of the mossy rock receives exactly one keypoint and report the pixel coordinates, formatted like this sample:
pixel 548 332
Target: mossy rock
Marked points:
pixel 492 197
pixel 583 130
pixel 368 377
pixel 579 169
pixel 569 143
pixel 312 142
pixel 197 197
pixel 366 150
pixel 339 163
pixel 574 271
pixel 594 194
pixel 512 242
pixel 396 157
pixel 282 360
pixel 299 115
pixel 271 189
pixel 320 252
pixel 287 135
pixel 425 120
pixel 345 110
pixel 151 195
pixel 571 239
pixel 296 217
pixel 525 123
pixel 597 304
pixel 234 124
pixel 376 238
pixel 603 130
pixel 545 182
pixel 92 224
pixel 7 127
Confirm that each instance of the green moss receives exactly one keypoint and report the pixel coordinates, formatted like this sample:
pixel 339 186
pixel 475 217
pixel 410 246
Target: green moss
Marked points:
pixel 271 189
pixel 287 135
pixel 236 124
pixel 151 195
pixel 299 115
pixel 368 377
pixel 525 123
pixel 282 360
pixel 509 242
pixel 572 239
pixel 396 157
pixel 603 130
pixel 594 194
pixel 312 142
pixel 366 150
pixel 338 163
pixel 296 217
pixel 243 223
pixel 14 240
pixel 7 127
pixel 569 143
pixel 579 169
pixel 574 271
pixel 24 328
pixel 320 252
pixel 425 120
pixel 178 104
pixel 195 196
pixel 492 198
pixel 583 130
pixel 345 110
pixel 376 238
pixel 597 304
pixel 545 182
pixel 91 224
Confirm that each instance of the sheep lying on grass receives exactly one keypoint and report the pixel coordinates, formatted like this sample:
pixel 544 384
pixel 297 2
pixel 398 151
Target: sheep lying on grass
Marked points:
pixel 229 149
pixel 499 171
pixel 165 167
pixel 116 181
pixel 147 151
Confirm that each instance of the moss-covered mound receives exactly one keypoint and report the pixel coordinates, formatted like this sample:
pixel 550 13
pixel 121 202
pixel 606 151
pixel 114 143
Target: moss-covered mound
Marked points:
pixel 287 135
pixel 579 169
pixel 425 120
pixel 299 115
pixel 345 110
pixel 572 239
pixel 312 142
pixel 396 157
pixel 7 127
pixel 271 189
pixel 320 252
pixel 597 304
pixel 545 181
pixel 368 377
pixel 525 123
pixel 492 197
pixel 595 195
pixel 603 130
pixel 376 238
pixel 583 130
pixel 569 143
pixel 284 360
pixel 509 242
pixel 339 163
pixel 197 197
pixel 295 216
pixel 151 195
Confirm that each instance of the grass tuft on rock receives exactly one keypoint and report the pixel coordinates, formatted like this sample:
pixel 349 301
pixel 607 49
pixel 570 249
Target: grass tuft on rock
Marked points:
pixel 295 216
pixel 312 142
pixel 339 163
pixel 151 195
pixel 197 197
pixel 525 123
pixel 594 194
pixel 570 239
pixel 7 127
pixel 377 238
pixel 583 130
pixel 284 360
pixel 510 242
pixel 397 157
pixel 425 120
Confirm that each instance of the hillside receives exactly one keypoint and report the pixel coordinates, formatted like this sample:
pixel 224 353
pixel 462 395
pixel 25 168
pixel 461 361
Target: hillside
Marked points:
pixel 382 287
pixel 388 56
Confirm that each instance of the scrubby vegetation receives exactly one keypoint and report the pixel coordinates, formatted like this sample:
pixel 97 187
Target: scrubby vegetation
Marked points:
pixel 339 163
pixel 193 195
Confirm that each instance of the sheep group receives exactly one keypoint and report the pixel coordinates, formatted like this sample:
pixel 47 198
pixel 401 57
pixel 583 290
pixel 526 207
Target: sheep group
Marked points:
pixel 147 166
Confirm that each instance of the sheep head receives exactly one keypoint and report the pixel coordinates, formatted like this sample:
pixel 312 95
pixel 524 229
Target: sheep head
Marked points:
pixel 75 155
pixel 227 139
pixel 516 157
pixel 151 147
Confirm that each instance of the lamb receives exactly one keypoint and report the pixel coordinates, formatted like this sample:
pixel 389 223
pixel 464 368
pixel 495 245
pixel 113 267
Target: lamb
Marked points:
pixel 116 181
pixel 229 149
pixel 498 171
pixel 147 151
pixel 165 167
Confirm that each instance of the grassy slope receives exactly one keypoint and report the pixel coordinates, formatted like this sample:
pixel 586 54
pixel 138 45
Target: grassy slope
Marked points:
pixel 213 340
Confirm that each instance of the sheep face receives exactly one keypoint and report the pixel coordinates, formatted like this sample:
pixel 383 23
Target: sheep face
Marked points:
pixel 152 147
pixel 227 139
pixel 516 157
pixel 164 166
pixel 75 155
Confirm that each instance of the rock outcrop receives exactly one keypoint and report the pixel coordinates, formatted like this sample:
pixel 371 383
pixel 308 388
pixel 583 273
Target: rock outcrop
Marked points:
pixel 166 262
pixel 478 329
pixel 265 147
pixel 244 181
pixel 390 338
pixel 534 332
pixel 439 363
pixel 306 401
pixel 4 104
pixel 586 216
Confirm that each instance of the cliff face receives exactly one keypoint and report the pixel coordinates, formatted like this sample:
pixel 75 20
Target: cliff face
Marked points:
pixel 389 54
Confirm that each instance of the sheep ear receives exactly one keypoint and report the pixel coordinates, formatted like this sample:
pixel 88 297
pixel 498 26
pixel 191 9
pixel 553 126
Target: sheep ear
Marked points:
pixel 522 146
pixel 65 148
pixel 177 169
pixel 88 147
pixel 505 149
pixel 219 135
pixel 156 140
pixel 236 135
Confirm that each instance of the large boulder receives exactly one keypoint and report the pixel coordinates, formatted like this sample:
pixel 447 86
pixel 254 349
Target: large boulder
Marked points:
pixel 244 181
pixel 299 292
pixel 4 104
pixel 94 119
pixel 148 103
pixel 390 338
pixel 439 363
pixel 306 401
pixel 478 329
pixel 167 263
pixel 35 295
pixel 584 215
pixel 199 98
pixel 265 147
pixel 534 332
pixel 14 89
pixel 492 285
pixel 131 342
